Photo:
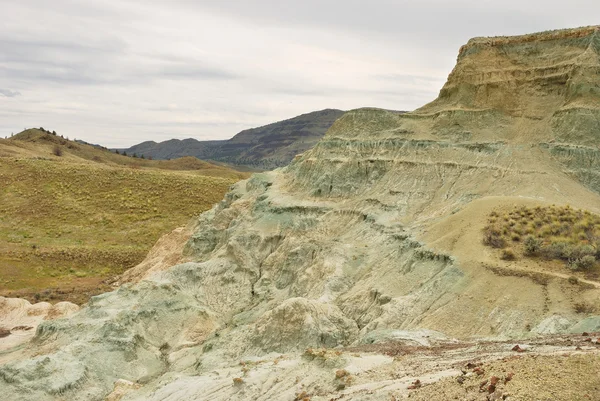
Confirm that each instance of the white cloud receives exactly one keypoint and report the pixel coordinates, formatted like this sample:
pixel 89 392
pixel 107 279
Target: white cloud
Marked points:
pixel 9 93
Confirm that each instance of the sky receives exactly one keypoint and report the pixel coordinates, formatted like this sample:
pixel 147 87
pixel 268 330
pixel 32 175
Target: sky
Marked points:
pixel 119 72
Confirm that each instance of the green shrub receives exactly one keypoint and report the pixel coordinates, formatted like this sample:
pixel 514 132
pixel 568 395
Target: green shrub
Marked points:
pixel 584 263
pixel 532 245
pixel 557 250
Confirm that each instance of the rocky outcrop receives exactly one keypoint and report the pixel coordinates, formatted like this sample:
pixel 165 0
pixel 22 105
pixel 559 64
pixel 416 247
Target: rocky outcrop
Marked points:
pixel 373 234
pixel 19 319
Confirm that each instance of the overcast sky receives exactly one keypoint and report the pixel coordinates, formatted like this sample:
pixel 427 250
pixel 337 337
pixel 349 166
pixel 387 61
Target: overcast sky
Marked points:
pixel 118 72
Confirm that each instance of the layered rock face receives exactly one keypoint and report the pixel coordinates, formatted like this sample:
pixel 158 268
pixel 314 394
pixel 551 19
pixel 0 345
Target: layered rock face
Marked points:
pixel 374 234
pixel 546 82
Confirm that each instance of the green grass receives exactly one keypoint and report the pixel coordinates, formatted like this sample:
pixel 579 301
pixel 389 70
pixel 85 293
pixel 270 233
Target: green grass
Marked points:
pixel 551 232
pixel 68 223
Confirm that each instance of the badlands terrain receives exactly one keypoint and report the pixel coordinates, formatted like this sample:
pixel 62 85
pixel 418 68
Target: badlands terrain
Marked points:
pixel 359 271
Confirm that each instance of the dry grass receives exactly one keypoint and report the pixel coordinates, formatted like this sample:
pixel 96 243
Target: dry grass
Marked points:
pixel 552 232
pixel 67 224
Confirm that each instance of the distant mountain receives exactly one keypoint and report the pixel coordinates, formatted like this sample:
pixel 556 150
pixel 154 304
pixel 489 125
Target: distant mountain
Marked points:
pixel 266 147
pixel 95 145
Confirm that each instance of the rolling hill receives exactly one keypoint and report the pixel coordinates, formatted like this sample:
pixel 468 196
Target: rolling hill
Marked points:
pixel 70 222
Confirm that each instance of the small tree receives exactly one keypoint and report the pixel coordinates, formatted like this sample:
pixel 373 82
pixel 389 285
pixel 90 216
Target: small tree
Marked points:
pixel 117 151
pixel 124 153
pixel 57 151
pixel 142 156
pixel 134 155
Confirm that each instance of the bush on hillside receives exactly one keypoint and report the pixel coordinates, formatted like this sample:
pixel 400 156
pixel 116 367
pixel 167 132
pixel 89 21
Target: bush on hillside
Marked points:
pixel 508 254
pixel 57 151
pixel 584 263
pixel 532 245
pixel 493 237
pixel 552 233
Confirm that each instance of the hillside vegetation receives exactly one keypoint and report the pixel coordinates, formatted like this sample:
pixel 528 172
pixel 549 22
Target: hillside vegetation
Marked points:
pixel 36 143
pixel 69 222
pixel 552 232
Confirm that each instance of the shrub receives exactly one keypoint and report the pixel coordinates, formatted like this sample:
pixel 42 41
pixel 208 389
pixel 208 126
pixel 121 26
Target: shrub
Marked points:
pixel 508 254
pixel 532 245
pixel 557 250
pixel 493 237
pixel 584 307
pixel 584 263
pixel 581 251
pixel 57 151
pixel 341 373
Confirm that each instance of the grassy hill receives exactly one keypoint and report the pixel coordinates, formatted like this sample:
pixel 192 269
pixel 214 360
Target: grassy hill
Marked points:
pixel 267 147
pixel 69 222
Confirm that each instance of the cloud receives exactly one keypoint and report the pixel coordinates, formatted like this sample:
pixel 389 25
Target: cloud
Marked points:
pixel 194 72
pixel 111 72
pixel 9 93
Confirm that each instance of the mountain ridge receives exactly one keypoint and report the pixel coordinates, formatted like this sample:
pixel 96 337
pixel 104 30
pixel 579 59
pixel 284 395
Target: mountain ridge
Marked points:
pixel 266 147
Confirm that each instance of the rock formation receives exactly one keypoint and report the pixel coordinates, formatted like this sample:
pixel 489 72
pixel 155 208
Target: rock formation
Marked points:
pixel 372 235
